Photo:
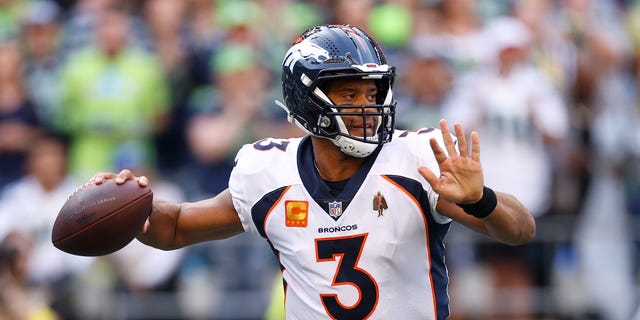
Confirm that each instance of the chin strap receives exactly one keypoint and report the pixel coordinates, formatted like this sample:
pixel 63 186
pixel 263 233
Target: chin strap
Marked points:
pixel 354 148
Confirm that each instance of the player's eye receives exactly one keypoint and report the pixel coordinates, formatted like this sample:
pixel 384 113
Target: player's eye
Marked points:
pixel 349 96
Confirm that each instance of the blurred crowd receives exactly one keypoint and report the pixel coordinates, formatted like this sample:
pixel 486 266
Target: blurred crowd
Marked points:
pixel 172 88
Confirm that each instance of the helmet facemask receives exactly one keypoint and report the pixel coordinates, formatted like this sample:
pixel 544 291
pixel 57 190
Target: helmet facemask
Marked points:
pixel 379 117
pixel 332 52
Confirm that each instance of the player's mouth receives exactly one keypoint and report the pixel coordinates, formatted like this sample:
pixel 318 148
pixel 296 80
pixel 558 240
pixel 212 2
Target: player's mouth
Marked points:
pixel 362 129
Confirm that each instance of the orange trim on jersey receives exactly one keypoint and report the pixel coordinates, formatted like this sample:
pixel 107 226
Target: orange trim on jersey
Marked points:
pixel 266 216
pixel 426 224
pixel 296 211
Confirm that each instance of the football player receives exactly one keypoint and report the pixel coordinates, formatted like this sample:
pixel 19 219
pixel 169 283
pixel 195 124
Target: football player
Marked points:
pixel 311 198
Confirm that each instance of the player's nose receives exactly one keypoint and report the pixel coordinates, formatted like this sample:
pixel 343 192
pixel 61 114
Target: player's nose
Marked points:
pixel 364 99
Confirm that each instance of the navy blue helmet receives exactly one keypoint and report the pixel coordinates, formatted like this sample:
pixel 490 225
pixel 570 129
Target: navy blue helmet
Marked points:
pixel 329 52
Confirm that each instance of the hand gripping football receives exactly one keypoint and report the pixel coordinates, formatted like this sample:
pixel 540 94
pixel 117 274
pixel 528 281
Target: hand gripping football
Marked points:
pixel 100 219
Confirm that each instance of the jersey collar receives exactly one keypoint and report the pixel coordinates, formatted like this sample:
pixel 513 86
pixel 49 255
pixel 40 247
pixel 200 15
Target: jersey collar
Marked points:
pixel 318 189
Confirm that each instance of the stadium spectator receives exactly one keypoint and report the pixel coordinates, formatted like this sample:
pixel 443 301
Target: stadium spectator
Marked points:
pixel 460 28
pixel 423 91
pixel 225 111
pixel 607 101
pixel 40 25
pixel 17 299
pixel 520 115
pixel 19 122
pixel 29 206
pixel 83 18
pixel 169 35
pixel 204 35
pixel 354 12
pixel 10 18
pixel 113 95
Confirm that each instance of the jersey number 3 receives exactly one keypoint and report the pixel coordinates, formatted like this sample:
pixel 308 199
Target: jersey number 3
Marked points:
pixel 349 250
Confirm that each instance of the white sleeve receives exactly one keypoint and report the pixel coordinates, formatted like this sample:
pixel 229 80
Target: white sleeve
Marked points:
pixel 258 171
pixel 239 189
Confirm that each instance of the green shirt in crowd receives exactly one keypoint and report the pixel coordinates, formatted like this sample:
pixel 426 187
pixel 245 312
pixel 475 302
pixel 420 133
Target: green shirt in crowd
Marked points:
pixel 110 104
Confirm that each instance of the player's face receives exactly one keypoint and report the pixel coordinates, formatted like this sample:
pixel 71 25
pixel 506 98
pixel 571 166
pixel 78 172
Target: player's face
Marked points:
pixel 355 92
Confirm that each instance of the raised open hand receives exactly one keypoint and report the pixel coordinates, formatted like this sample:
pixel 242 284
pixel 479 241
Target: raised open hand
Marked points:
pixel 461 180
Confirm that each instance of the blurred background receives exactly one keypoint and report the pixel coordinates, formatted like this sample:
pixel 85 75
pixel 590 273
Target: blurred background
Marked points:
pixel 172 89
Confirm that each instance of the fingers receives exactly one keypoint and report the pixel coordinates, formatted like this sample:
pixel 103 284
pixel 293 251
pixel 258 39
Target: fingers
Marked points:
pixel 463 145
pixel 100 177
pixel 124 175
pixel 438 153
pixel 475 146
pixel 446 136
pixel 143 181
pixel 120 178
pixel 462 140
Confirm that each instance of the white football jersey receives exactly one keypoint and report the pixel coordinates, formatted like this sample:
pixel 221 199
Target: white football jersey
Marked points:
pixel 375 251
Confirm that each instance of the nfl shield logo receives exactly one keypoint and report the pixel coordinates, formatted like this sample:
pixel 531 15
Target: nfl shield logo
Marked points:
pixel 335 209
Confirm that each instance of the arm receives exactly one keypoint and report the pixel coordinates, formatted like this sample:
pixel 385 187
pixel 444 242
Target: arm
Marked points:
pixel 461 181
pixel 172 225
pixel 509 223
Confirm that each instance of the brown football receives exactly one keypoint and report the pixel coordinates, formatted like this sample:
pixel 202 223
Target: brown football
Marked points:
pixel 100 219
